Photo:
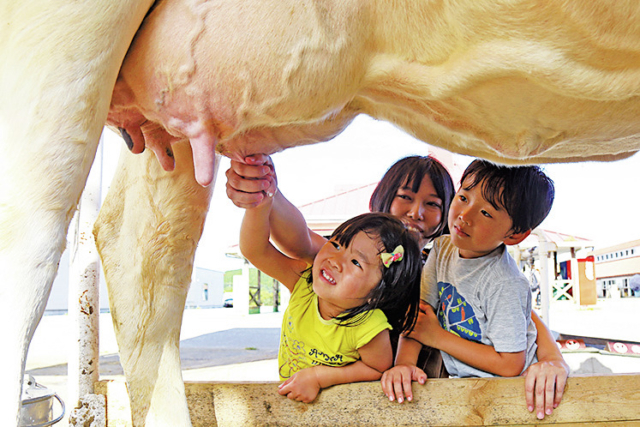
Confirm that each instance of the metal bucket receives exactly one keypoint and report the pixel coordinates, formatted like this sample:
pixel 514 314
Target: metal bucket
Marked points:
pixel 37 404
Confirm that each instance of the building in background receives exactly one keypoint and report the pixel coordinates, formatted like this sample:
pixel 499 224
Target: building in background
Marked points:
pixel 325 215
pixel 569 270
pixel 206 290
pixel 616 267
pixel 58 301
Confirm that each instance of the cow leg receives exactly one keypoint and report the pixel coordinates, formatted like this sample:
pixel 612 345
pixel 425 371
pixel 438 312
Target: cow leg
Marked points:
pixel 60 60
pixel 147 233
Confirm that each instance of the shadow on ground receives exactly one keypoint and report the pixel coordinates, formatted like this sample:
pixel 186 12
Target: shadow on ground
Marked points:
pixel 239 345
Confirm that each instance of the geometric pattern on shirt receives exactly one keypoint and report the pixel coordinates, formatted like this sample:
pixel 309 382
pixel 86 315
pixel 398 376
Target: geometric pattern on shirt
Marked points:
pixel 456 315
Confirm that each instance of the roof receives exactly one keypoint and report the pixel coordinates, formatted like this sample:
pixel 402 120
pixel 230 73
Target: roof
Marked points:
pixel 561 240
pixel 322 214
pixel 621 246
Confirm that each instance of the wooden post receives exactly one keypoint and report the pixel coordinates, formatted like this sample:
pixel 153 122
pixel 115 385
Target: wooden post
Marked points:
pixel 545 276
pixel 84 288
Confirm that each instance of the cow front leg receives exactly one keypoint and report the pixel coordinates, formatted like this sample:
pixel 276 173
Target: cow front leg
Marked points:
pixel 146 234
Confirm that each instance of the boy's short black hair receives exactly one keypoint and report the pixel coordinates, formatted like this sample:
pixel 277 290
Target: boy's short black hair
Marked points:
pixel 525 192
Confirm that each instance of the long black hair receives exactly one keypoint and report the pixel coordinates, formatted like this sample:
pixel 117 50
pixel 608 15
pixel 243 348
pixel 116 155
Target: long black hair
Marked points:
pixel 398 293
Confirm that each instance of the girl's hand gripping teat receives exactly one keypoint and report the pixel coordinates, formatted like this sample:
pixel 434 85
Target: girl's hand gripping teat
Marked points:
pixel 251 182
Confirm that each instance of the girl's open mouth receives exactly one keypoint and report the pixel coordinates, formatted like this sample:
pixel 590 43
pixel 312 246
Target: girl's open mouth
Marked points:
pixel 326 276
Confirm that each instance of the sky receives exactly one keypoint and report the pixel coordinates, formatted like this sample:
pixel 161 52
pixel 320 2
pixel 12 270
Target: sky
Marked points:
pixel 594 200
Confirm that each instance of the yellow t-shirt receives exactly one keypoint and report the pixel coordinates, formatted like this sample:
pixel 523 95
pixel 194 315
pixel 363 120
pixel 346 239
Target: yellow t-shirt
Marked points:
pixel 307 339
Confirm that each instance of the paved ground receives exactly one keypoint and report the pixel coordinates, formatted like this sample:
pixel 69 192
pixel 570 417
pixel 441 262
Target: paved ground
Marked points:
pixel 216 345
pixel 222 345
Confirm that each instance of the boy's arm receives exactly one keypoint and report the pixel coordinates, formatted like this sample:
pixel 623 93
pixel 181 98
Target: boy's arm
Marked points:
pixel 396 382
pixel 408 351
pixel 548 350
pixel 255 246
pixel 546 379
pixel 481 356
pixel 376 357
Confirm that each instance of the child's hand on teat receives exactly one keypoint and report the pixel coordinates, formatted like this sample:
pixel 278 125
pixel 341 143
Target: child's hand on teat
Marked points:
pixel 251 181
pixel 396 382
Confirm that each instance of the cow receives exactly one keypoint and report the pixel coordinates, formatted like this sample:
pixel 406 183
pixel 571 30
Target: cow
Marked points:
pixel 512 81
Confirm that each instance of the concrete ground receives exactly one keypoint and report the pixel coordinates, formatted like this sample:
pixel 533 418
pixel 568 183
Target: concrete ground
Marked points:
pixel 223 345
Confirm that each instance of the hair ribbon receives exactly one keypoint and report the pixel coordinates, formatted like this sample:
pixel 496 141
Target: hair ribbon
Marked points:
pixel 389 258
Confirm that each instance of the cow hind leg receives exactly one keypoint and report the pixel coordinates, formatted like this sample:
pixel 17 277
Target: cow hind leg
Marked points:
pixel 147 233
pixel 59 64
pixel 32 239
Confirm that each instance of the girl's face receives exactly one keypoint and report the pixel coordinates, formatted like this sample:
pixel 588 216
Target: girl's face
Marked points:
pixel 421 212
pixel 344 276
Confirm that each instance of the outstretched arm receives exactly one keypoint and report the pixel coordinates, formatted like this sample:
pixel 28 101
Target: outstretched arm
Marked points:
pixel 546 379
pixel 255 246
pixel 290 232
pixel 250 184
pixel 376 357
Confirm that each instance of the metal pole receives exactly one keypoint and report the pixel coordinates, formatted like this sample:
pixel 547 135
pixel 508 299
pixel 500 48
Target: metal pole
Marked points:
pixel 84 286
pixel 543 254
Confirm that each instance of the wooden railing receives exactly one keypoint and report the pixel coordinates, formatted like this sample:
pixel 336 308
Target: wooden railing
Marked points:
pixel 588 400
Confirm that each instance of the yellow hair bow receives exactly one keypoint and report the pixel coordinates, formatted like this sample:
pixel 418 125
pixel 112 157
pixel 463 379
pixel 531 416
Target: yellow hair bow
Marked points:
pixel 396 255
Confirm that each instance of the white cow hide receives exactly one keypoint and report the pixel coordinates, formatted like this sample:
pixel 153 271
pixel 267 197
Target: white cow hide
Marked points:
pixel 512 81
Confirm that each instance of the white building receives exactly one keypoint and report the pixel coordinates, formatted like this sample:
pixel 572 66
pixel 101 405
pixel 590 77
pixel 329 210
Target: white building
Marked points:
pixel 59 299
pixel 615 268
pixel 206 291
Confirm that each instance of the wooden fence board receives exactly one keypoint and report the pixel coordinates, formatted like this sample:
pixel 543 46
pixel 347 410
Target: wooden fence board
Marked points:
pixel 588 400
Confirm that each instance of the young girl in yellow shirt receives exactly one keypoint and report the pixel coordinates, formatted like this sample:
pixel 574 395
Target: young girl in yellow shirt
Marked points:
pixel 363 282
